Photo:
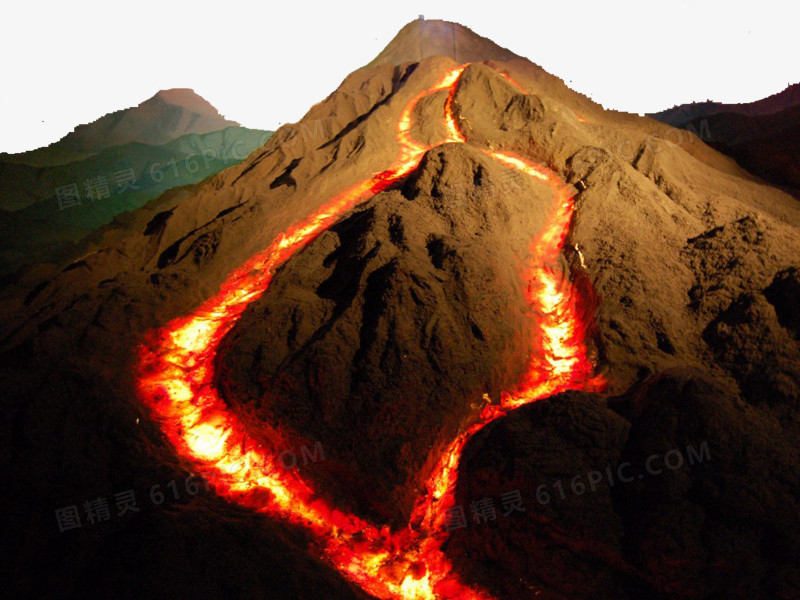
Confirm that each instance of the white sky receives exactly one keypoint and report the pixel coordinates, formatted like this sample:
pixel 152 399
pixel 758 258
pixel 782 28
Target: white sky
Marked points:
pixel 265 63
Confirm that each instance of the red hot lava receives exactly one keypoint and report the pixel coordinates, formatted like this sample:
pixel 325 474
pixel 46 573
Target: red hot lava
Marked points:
pixel 176 381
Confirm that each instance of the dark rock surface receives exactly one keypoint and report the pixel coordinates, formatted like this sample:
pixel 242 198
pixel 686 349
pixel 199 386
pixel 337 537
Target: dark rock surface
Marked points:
pixel 714 514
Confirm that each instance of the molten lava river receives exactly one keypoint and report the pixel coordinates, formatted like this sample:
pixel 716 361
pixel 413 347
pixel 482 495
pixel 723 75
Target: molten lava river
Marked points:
pixel 175 379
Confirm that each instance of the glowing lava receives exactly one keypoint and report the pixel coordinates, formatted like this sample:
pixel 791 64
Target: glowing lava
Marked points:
pixel 176 381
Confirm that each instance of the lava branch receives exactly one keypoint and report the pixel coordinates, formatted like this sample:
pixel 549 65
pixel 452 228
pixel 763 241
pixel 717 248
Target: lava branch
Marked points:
pixel 175 379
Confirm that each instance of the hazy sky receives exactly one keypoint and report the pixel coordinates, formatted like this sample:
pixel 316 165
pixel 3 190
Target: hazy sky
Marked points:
pixel 265 63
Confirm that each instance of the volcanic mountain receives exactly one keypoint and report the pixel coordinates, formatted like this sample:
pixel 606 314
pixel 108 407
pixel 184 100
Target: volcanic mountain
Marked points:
pixel 454 284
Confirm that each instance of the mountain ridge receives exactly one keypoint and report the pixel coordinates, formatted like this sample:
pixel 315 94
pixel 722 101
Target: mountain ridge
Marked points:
pixel 680 114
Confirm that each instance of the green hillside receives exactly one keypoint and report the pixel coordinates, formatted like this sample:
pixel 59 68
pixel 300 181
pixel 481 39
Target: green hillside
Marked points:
pixel 43 210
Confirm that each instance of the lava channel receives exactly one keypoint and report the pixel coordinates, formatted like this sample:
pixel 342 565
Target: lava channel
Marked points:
pixel 175 380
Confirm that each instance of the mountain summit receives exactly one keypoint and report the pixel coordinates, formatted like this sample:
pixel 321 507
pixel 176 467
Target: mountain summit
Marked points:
pixel 421 39
pixel 187 99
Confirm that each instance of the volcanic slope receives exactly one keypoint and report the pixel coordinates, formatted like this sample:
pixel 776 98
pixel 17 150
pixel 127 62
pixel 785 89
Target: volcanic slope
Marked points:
pixel 694 264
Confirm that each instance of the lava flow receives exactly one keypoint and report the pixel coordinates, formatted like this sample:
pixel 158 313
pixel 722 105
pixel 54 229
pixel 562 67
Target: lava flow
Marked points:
pixel 176 381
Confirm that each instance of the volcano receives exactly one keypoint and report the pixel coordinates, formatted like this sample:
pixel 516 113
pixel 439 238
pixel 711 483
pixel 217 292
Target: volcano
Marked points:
pixel 458 333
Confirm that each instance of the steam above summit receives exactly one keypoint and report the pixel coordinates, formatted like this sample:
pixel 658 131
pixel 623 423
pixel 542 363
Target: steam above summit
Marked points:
pixel 421 39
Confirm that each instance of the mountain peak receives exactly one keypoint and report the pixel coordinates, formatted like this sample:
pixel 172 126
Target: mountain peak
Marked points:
pixel 188 99
pixel 422 38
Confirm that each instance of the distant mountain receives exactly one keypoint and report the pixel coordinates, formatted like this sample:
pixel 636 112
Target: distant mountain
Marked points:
pixel 164 117
pixel 59 194
pixel 765 145
pixel 678 116
pixel 23 185
pixel 57 206
pixel 761 136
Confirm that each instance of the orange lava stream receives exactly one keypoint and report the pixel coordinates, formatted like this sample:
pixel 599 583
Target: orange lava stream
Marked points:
pixel 175 378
